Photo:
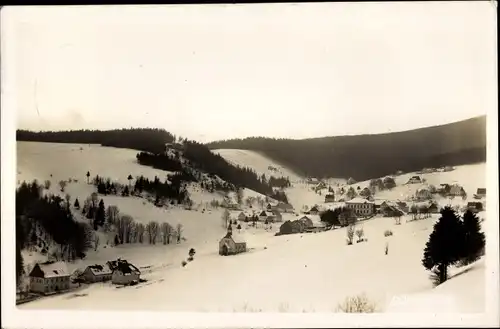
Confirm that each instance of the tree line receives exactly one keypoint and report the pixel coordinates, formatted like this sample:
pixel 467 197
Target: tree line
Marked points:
pixel 142 139
pixel 367 156
pixel 51 216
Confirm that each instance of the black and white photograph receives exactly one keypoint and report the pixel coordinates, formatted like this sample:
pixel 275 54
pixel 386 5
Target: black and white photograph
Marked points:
pixel 335 159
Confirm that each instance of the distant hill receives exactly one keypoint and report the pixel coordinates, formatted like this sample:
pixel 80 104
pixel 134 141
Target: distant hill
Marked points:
pixel 368 156
pixel 152 143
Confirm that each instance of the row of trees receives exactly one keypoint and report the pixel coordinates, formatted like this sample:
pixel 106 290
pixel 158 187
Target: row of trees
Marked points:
pixel 142 139
pixel 36 213
pixel 129 231
pixel 454 240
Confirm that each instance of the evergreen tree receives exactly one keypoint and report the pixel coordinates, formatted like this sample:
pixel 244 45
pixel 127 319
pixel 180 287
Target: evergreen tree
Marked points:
pixel 100 215
pixel 474 239
pixel 445 245
pixel 77 204
pixel 88 176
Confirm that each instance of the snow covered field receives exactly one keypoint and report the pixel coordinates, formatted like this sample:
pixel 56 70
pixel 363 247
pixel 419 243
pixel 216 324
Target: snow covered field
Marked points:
pixel 292 273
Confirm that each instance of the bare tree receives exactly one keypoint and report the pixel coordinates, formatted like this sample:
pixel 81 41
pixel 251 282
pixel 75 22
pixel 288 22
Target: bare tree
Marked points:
pixel 350 234
pixel 166 232
pixel 132 233
pixel 179 232
pixel 62 185
pixel 152 229
pixel 140 232
pixel 47 184
pixel 126 223
pixel 112 214
pixel 225 218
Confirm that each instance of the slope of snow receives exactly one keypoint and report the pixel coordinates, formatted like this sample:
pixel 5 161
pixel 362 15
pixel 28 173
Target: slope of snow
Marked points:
pixel 463 293
pixel 291 273
pixel 63 161
pixel 322 267
pixel 257 162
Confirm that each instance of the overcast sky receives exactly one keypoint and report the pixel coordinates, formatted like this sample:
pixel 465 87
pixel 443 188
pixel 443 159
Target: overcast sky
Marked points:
pixel 211 72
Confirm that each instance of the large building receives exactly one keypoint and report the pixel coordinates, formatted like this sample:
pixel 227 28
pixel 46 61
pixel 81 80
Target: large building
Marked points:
pixel 361 207
pixel 49 277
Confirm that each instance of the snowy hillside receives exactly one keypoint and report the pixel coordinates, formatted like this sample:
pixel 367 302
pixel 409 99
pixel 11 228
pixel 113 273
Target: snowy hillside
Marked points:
pixel 302 272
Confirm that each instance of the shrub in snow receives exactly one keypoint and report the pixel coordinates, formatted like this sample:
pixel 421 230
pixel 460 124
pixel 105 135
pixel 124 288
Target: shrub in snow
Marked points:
pixel 387 233
pixel 184 263
pixel 360 234
pixel 356 304
pixel 387 248
pixel 190 259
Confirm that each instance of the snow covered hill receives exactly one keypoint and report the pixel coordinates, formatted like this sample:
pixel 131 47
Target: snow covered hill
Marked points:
pixel 303 272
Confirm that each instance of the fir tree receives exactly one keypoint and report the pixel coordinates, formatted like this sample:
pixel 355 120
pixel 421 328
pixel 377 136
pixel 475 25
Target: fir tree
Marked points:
pixel 445 245
pixel 100 215
pixel 474 239
pixel 77 204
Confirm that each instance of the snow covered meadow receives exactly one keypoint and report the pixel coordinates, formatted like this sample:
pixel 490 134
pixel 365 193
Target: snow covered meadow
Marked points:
pixel 311 272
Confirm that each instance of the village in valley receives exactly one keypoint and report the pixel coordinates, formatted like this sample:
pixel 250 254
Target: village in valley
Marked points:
pixel 345 204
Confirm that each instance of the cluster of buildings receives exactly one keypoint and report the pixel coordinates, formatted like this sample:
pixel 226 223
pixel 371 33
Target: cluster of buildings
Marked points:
pixel 52 277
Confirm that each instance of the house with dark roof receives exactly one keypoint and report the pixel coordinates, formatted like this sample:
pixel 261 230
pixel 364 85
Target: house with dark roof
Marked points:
pixel 330 197
pixel 97 273
pixel 480 193
pixel 414 180
pixel 49 277
pixel 124 273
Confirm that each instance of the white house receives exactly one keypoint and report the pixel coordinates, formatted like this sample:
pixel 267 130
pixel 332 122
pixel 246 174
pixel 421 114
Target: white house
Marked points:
pixel 97 273
pixel 124 273
pixel 49 277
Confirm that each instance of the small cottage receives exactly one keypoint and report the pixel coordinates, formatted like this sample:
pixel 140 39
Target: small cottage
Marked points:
pixel 480 193
pixel 267 215
pixel 414 180
pixel 423 194
pixel 49 277
pixel 292 227
pixel 97 273
pixel 284 207
pixel 330 197
pixel 456 190
pixel 475 206
pixel 314 210
pixel 232 244
pixel 124 273
pixel 388 209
